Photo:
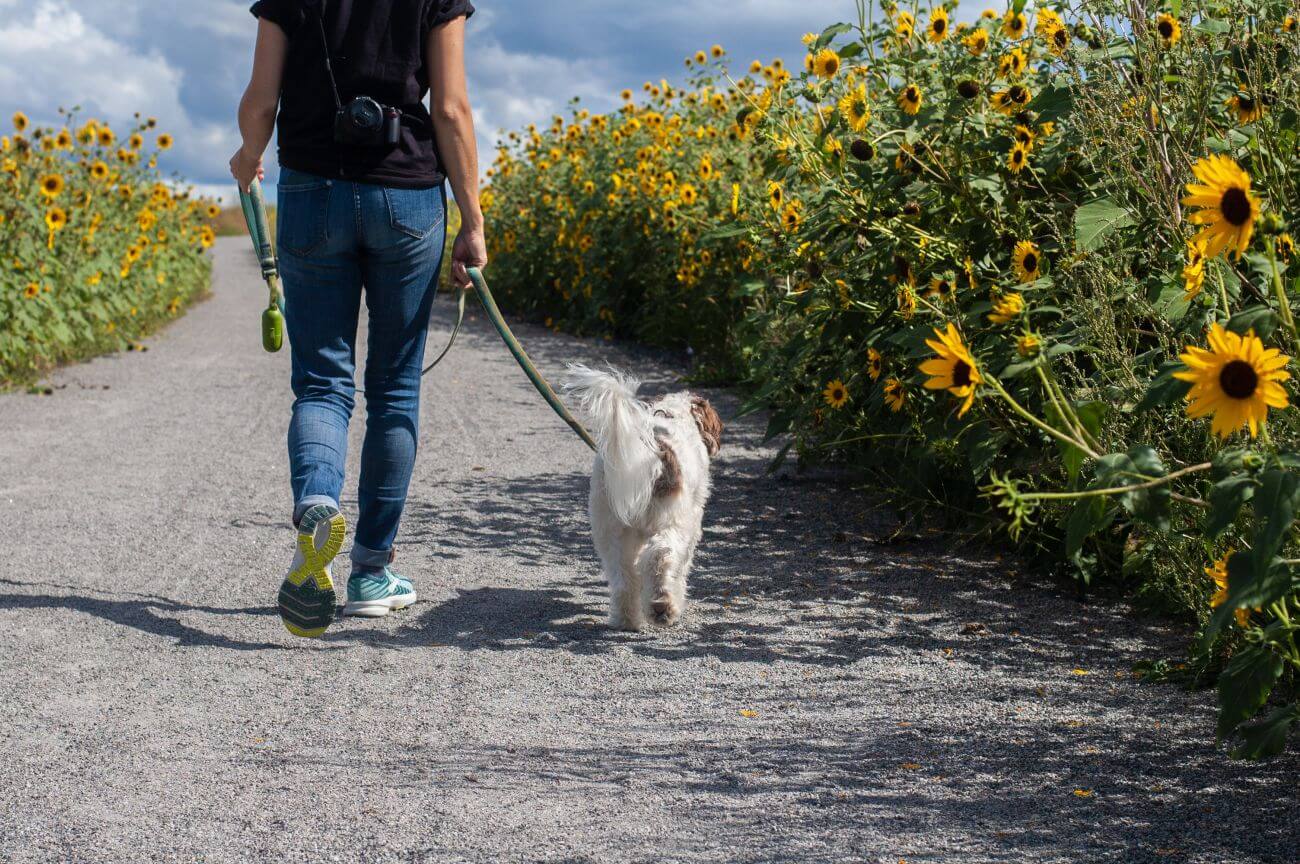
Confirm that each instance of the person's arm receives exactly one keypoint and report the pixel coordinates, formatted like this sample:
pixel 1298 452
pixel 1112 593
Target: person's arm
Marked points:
pixel 261 99
pixel 453 125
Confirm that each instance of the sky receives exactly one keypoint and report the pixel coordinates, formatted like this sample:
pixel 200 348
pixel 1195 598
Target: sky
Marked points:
pixel 187 62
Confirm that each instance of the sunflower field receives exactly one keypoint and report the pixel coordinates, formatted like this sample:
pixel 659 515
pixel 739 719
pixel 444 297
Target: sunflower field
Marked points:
pixel 1029 267
pixel 98 251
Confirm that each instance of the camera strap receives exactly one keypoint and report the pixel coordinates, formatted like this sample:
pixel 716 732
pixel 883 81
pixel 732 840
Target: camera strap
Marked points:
pixel 319 6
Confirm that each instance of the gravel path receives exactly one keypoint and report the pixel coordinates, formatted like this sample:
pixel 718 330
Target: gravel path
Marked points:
pixel 825 700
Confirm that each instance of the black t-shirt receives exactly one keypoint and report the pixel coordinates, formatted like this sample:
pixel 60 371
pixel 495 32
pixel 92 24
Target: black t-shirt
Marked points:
pixel 377 48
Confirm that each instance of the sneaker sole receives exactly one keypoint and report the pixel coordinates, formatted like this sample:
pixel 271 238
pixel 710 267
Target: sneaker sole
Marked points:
pixel 379 608
pixel 307 600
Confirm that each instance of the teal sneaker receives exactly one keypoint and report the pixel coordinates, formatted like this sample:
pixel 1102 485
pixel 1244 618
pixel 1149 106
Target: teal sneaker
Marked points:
pixel 307 599
pixel 374 595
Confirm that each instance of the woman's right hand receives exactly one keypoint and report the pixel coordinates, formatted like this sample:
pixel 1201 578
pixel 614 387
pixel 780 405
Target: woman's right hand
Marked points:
pixel 469 250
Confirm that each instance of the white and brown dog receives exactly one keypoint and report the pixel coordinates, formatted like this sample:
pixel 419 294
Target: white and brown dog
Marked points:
pixel 648 491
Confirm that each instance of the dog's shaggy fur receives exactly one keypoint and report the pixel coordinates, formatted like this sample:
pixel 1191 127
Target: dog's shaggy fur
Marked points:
pixel 648 491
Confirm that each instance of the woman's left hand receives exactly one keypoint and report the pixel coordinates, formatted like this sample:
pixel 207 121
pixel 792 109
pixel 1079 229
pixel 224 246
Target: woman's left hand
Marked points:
pixel 245 169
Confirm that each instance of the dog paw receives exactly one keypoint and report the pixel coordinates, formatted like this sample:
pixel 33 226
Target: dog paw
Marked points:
pixel 625 624
pixel 666 612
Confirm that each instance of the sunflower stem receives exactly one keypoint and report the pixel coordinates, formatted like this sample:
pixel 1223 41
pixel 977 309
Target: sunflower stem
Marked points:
pixel 1049 430
pixel 1284 305
pixel 1118 490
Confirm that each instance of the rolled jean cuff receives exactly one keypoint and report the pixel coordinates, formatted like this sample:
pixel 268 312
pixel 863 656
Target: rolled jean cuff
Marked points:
pixel 309 502
pixel 371 559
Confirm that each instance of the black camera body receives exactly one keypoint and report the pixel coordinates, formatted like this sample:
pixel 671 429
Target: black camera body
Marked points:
pixel 363 122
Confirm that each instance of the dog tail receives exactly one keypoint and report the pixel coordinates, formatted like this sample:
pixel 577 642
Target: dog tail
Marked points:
pixel 624 432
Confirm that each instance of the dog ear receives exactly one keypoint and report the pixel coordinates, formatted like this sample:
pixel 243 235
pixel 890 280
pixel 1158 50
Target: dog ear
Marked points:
pixel 709 424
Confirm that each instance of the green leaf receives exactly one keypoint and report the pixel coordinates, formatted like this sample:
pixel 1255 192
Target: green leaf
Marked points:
pixel 1227 497
pixel 829 34
pixel 1090 415
pixel 1275 511
pixel 1164 389
pixel 1261 319
pixel 1149 505
pixel 1268 736
pixel 983 446
pixel 1244 686
pixel 1087 517
pixel 1096 219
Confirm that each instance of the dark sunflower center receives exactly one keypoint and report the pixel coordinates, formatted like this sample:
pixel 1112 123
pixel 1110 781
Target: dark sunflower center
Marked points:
pixel 1031 263
pixel 1018 155
pixel 911 94
pixel 1166 29
pixel 1235 206
pixel 961 374
pixel 940 25
pixel 1018 94
pixel 1238 379
pixel 1061 38
pixel 1245 103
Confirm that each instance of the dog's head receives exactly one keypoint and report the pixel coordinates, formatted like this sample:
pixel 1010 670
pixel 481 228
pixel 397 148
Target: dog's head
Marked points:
pixel 709 424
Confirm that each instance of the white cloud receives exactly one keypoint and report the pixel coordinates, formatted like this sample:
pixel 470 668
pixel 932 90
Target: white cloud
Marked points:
pixel 53 57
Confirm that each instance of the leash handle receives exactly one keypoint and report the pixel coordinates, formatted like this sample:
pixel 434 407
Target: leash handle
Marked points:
pixel 521 356
pixel 259 228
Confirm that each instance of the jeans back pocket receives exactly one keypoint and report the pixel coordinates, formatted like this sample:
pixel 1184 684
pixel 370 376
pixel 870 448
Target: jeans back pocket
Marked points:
pixel 302 214
pixel 414 212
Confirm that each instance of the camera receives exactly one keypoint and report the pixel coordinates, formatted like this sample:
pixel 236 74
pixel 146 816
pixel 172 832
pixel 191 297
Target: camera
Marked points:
pixel 363 122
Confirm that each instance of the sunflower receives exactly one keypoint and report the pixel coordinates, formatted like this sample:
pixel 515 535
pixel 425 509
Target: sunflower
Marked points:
pixel 906 302
pixel 1012 64
pixel 1028 261
pixel 1218 572
pixel 894 395
pixel 826 64
pixel 855 108
pixel 1247 108
pixel 207 237
pixel 99 170
pixel 792 217
pixel 1228 208
pixel 1014 25
pixel 1289 24
pixel 954 369
pixel 943 287
pixel 32 291
pixel 688 194
pixel 1018 158
pixel 1194 270
pixel 1013 99
pixel 52 186
pixel 976 42
pixel 904 24
pixel 1169 30
pixel 717 51
pixel 836 394
pixel 1285 247
pixel 775 194
pixel 700 58
pixel 875 363
pixel 1237 380
pixel 1058 40
pixel 20 121
pixel 105 136
pixel 135 142
pixel 1007 308
pixel 1028 345
pixel 63 140
pixel 937 30
pixel 909 99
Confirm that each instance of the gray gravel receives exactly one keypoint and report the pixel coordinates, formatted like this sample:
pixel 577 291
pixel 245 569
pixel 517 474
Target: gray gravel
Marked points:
pixel 152 708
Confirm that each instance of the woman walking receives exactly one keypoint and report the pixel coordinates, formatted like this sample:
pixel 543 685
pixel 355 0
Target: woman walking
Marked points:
pixel 361 212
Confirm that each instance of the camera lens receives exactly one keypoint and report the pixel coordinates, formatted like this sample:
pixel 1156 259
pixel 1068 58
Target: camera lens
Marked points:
pixel 366 114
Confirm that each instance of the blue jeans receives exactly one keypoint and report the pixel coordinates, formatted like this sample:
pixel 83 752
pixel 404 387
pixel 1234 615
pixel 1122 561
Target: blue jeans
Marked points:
pixel 334 238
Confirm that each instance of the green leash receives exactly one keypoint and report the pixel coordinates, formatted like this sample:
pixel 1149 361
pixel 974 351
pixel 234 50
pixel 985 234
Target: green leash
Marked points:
pixel 254 207
pixel 259 229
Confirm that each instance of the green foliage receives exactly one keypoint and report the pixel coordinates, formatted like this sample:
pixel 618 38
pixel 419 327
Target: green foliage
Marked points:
pixel 997 263
pixel 97 250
